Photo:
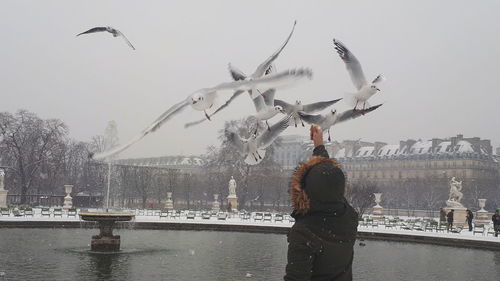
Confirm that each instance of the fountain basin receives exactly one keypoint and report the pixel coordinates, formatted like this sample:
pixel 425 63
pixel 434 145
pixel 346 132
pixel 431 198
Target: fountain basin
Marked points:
pixel 105 241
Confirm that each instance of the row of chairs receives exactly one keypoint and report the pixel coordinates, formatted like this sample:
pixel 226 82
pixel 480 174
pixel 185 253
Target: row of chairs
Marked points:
pixel 44 212
pixel 245 216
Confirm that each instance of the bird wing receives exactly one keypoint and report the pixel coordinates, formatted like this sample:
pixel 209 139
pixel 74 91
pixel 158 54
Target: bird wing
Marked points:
pixel 236 73
pixel 352 64
pixel 125 38
pixel 378 79
pixel 237 142
pixel 266 139
pixel 263 67
pixel 317 106
pixel 92 30
pixel 355 113
pixel 286 106
pixel 175 109
pixel 269 97
pixel 312 119
pixel 235 95
pixel 278 80
pixel 259 103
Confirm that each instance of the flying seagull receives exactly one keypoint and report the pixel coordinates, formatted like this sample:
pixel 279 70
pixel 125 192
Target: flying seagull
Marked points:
pixel 265 68
pixel 293 109
pixel 203 99
pixel 364 90
pixel 253 148
pixel 327 120
pixel 109 29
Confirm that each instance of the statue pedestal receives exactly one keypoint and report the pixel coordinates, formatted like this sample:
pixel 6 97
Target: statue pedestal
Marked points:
pixel 459 215
pixel 68 202
pixel 233 200
pixel 482 218
pixel 377 212
pixel 3 198
pixel 216 204
pixel 169 204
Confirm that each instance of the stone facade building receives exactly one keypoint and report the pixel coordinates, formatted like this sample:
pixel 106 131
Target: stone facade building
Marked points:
pixel 464 158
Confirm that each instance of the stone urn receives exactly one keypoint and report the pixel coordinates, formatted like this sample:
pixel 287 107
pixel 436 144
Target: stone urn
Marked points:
pixel 3 192
pixel 378 211
pixel 68 200
pixel 216 204
pixel 169 204
pixel 482 215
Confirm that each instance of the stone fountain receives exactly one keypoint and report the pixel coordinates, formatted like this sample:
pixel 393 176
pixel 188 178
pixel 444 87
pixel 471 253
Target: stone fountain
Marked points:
pixel 105 241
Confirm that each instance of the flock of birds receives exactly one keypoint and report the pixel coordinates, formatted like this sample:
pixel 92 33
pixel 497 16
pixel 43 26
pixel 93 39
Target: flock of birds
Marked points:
pixel 261 87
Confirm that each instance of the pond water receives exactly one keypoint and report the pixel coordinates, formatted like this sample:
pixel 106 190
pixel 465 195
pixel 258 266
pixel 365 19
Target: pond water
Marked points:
pixel 62 254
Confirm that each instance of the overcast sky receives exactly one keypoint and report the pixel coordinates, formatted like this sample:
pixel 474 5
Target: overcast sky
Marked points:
pixel 440 59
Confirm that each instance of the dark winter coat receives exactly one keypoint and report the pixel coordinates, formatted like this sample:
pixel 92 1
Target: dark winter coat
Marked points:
pixel 450 216
pixel 496 219
pixel 320 243
pixel 469 216
pixel 442 215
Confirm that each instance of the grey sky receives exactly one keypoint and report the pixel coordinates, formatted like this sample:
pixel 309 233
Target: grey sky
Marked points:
pixel 440 59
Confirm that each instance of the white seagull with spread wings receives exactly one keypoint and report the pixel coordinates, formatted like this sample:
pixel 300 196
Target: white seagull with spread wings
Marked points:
pixel 265 68
pixel 332 118
pixel 253 148
pixel 364 90
pixel 203 99
pixel 293 109
pixel 109 29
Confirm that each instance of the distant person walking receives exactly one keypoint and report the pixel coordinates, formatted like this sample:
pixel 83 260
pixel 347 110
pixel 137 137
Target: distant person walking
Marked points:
pixel 449 218
pixel 469 218
pixel 442 216
pixel 496 222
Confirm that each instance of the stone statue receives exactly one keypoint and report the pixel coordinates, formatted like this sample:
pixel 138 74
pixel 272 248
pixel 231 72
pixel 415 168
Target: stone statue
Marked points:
pixel 2 175
pixel 232 186
pixel 455 193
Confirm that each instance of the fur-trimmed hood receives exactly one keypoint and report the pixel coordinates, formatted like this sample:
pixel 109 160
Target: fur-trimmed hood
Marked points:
pixel 315 184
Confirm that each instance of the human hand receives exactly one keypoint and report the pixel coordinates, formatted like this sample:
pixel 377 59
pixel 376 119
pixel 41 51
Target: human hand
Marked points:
pixel 316 135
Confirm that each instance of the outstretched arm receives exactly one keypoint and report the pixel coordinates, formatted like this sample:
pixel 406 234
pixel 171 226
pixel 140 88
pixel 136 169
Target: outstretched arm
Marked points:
pixel 317 138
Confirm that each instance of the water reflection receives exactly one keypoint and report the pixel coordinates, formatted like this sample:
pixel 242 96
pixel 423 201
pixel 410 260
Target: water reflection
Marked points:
pixel 63 254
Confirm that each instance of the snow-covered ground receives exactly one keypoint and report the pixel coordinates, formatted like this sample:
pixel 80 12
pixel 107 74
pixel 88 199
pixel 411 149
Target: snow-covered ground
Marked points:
pixel 153 216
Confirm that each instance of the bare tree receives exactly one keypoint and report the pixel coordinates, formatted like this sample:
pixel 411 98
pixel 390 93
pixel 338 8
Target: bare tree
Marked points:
pixel 360 195
pixel 28 141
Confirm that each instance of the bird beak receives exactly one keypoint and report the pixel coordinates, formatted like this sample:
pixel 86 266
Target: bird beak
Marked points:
pixel 377 89
pixel 282 111
pixel 193 101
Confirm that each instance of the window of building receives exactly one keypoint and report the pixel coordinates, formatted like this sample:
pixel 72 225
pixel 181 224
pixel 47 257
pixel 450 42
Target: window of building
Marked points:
pixel 420 150
pixel 397 150
pixel 388 151
pixel 366 151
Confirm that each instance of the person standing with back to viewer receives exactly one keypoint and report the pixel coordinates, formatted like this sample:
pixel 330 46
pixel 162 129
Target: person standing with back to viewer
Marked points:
pixel 496 222
pixel 321 242
pixel 449 218
pixel 469 218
